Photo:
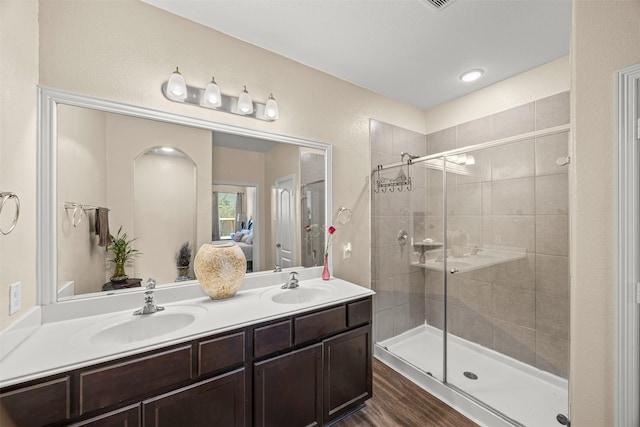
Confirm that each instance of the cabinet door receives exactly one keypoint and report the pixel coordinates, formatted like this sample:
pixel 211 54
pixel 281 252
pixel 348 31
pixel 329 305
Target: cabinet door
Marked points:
pixel 347 372
pixel 219 401
pixel 124 417
pixel 36 405
pixel 287 389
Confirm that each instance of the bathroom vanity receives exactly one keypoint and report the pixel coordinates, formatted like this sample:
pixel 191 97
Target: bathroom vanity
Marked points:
pixel 247 361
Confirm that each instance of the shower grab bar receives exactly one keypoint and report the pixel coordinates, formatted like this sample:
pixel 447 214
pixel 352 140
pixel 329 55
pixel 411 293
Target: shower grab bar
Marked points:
pixel 6 196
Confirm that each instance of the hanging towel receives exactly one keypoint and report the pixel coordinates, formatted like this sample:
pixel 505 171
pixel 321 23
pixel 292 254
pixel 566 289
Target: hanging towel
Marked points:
pixel 102 226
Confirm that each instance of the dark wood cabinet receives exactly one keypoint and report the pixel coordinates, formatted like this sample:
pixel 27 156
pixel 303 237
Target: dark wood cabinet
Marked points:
pixel 307 369
pixel 219 401
pixel 128 416
pixel 347 372
pixel 37 404
pixel 114 383
pixel 288 389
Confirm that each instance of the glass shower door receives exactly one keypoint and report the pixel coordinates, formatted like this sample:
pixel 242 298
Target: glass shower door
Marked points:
pixel 506 275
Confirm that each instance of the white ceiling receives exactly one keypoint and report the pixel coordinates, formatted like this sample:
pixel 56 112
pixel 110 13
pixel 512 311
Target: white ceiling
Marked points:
pixel 403 49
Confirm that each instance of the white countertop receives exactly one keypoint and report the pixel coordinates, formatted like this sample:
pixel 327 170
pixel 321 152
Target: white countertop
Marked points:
pixel 56 346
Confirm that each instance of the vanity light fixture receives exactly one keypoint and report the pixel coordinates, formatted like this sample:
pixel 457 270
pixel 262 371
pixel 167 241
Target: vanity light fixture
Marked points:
pixel 471 75
pixel 176 87
pixel 271 108
pixel 245 104
pixel 210 97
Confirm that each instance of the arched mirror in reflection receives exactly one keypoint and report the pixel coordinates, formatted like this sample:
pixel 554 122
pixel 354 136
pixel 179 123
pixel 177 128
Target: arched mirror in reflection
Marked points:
pixel 100 154
pixel 164 206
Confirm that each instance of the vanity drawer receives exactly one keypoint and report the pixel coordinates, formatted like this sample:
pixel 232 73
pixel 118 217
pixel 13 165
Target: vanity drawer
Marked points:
pixel 358 313
pixel 108 385
pixel 321 324
pixel 220 353
pixel 37 405
pixel 271 338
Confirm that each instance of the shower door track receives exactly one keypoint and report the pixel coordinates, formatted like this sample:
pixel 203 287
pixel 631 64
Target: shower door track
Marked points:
pixel 494 143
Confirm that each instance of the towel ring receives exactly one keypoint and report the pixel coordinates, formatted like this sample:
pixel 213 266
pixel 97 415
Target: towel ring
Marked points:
pixel 6 196
pixel 344 215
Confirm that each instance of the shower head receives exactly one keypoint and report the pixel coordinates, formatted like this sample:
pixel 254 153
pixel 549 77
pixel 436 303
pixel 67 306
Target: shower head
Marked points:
pixel 404 153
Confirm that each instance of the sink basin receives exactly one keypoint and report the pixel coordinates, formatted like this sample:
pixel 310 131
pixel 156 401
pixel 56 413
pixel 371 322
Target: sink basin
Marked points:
pixel 303 294
pixel 127 328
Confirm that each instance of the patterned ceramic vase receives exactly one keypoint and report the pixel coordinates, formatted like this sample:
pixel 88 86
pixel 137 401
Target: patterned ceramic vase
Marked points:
pixel 220 269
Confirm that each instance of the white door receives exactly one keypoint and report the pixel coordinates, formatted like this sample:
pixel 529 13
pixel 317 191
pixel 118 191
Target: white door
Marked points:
pixel 285 221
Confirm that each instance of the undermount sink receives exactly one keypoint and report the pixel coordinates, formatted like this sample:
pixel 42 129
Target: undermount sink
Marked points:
pixel 128 328
pixel 303 294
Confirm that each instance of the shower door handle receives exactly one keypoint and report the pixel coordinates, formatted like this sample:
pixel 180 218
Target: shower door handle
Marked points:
pixel 454 270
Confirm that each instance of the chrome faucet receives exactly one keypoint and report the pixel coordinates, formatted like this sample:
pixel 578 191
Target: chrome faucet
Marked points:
pixel 149 305
pixel 292 282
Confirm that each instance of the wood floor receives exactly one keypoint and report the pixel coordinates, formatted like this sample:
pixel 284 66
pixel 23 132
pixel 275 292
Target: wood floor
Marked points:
pixel 397 401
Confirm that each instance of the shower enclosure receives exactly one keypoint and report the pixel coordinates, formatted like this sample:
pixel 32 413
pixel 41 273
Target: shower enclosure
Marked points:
pixel 470 268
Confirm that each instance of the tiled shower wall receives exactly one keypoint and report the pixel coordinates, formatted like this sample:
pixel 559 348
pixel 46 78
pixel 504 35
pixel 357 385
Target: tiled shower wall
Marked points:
pixel 515 196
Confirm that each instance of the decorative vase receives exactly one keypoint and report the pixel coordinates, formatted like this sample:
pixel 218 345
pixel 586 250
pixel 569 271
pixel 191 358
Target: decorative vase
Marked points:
pixel 183 273
pixel 325 271
pixel 220 269
pixel 118 273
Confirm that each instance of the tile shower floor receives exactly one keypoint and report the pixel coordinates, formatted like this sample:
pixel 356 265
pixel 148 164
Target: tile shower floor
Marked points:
pixel 523 393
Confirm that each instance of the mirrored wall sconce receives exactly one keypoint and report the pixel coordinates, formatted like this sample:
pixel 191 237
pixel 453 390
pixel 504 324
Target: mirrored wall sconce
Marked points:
pixel 176 89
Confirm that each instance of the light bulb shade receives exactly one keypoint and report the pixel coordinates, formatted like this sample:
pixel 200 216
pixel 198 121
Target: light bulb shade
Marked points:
pixel 471 160
pixel 212 97
pixel 245 104
pixel 271 108
pixel 176 88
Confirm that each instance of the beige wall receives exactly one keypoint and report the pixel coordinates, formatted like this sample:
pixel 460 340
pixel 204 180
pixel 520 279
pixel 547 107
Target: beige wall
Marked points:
pixel 19 77
pixel 606 38
pixel 124 51
pixel 540 82
pixel 127 139
pixel 127 49
pixel 81 178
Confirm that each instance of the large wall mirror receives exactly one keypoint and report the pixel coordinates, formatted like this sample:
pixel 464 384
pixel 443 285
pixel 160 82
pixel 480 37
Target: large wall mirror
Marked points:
pixel 168 181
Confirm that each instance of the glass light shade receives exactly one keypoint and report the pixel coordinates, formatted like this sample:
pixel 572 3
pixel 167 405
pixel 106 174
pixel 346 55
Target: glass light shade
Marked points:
pixel 271 108
pixel 177 88
pixel 471 160
pixel 245 104
pixel 212 97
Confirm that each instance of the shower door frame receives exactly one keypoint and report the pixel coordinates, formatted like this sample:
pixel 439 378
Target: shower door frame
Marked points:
pixel 450 393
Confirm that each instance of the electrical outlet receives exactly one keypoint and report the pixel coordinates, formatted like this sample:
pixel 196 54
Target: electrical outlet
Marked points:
pixel 14 297
pixel 346 251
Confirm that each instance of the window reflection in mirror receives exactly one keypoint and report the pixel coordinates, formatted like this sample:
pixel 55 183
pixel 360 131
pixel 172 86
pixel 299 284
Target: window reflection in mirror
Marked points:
pixel 163 198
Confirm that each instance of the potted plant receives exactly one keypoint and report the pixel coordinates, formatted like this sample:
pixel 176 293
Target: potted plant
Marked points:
pixel 183 260
pixel 122 252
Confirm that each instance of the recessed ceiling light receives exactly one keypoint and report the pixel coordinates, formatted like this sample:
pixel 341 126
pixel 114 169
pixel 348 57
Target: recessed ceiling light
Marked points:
pixel 472 75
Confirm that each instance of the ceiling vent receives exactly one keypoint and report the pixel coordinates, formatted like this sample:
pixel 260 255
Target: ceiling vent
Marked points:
pixel 437 4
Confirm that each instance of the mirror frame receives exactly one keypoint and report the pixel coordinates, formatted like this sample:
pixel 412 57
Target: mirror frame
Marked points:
pixel 46 182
